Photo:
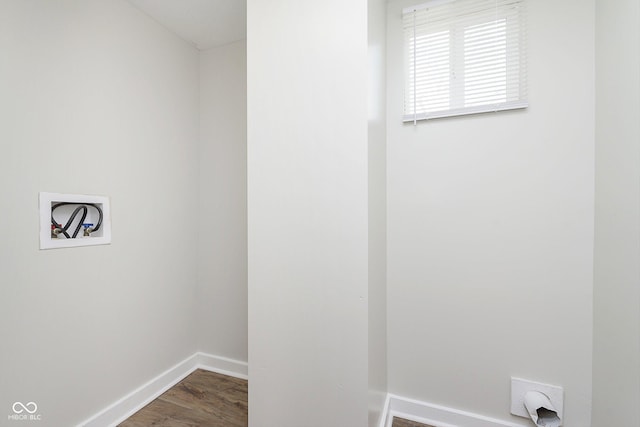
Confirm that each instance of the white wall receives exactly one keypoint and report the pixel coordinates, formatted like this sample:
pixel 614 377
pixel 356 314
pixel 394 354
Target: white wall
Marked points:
pixel 307 221
pixel 96 99
pixel 377 134
pixel 616 372
pixel 490 232
pixel 222 223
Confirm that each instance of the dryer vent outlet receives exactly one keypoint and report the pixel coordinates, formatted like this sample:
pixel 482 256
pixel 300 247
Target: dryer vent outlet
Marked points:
pixel 542 403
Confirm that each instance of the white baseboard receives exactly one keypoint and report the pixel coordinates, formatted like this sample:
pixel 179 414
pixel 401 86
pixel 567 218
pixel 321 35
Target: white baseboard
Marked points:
pixel 222 365
pixel 143 395
pixel 436 415
pixel 394 406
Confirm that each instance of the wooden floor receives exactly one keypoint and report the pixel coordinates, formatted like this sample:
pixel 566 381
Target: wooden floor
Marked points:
pixel 205 399
pixel 202 399
pixel 399 422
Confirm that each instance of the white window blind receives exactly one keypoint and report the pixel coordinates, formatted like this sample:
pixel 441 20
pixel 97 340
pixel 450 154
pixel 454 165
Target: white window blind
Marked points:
pixel 464 57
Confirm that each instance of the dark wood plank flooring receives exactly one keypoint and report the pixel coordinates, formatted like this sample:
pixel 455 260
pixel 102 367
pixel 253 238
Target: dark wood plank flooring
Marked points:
pixel 401 422
pixel 202 399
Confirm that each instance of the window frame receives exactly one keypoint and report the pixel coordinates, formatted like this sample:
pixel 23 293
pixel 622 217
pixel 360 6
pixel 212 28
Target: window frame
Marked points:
pixel 515 98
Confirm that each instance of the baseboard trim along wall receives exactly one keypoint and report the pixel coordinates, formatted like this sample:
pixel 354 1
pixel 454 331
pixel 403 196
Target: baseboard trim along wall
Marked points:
pixel 222 365
pixel 394 406
pixel 435 415
pixel 143 395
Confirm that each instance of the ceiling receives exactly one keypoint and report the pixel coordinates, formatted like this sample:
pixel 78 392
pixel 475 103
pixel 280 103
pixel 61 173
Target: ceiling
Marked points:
pixel 203 23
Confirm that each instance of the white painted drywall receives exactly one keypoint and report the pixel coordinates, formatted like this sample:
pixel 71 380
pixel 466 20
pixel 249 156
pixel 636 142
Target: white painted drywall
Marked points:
pixel 490 231
pixel 308 213
pixel 377 134
pixel 96 99
pixel 222 223
pixel 616 371
pixel 204 23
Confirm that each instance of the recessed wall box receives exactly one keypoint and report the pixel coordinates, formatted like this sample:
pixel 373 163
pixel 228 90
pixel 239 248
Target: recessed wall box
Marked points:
pixel 553 396
pixel 70 220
